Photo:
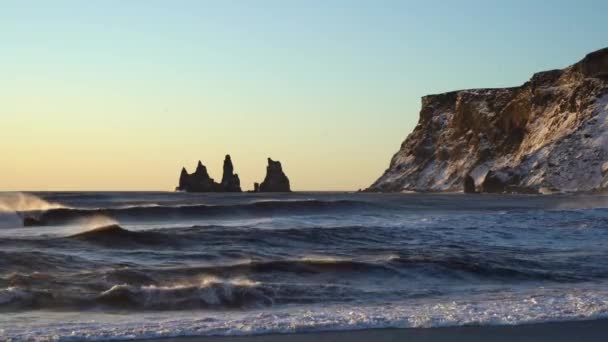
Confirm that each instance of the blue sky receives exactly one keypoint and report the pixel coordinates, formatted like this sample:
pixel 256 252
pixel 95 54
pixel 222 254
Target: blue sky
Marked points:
pixel 101 90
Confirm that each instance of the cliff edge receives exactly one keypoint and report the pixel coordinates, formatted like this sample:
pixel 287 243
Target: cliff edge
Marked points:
pixel 549 134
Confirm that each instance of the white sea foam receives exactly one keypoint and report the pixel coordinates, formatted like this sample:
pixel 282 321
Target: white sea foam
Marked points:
pixel 207 290
pixel 18 201
pixel 532 306
pixel 13 202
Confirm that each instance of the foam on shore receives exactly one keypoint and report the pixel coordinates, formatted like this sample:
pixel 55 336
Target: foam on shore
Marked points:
pixel 539 306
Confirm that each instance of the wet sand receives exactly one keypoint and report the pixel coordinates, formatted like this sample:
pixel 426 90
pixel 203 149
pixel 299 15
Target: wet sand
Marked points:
pixel 596 330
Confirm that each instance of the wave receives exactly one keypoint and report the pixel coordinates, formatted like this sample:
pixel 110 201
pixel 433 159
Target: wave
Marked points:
pixel 12 294
pixel 12 204
pixel 68 283
pixel 246 237
pixel 446 268
pixel 459 263
pixel 58 216
pixel 435 269
pixel 211 292
pixel 18 202
pixel 454 267
pixel 43 261
pixel 208 292
pixel 521 307
pixel 302 267
pixel 116 236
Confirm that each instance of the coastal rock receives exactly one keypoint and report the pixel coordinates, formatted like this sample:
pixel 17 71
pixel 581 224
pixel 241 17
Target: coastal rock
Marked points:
pixel 276 180
pixel 184 180
pixel 497 182
pixel 549 133
pixel 200 181
pixel 230 180
pixel 469 185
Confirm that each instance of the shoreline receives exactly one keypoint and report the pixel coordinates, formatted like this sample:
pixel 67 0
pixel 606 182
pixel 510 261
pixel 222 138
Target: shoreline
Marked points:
pixel 586 330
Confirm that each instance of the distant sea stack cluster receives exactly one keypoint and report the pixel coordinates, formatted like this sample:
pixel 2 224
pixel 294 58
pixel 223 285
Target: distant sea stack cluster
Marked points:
pixel 200 181
pixel 548 135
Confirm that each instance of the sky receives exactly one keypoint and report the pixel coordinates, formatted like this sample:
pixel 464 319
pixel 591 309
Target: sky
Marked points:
pixel 119 95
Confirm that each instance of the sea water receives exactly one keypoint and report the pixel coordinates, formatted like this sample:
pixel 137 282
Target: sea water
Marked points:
pixel 108 265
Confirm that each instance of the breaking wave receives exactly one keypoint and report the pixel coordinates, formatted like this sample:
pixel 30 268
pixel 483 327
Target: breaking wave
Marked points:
pixel 524 307
pixel 116 236
pixel 209 293
pixel 261 208
pixel 12 204
pixel 18 202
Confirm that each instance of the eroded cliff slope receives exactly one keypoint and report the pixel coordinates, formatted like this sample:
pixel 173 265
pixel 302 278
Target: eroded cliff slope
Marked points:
pixel 550 134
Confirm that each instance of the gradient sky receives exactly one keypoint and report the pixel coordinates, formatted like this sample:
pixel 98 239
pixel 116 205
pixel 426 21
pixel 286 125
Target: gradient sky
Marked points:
pixel 119 95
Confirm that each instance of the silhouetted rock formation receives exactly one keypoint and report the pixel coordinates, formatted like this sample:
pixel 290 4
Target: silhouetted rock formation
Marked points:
pixel 549 134
pixel 276 180
pixel 230 180
pixel 184 179
pixel 199 181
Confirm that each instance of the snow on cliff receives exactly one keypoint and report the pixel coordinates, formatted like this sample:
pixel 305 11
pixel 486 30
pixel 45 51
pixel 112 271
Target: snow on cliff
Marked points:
pixel 550 134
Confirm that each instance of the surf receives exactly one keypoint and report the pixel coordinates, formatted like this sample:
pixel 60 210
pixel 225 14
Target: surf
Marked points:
pixel 61 215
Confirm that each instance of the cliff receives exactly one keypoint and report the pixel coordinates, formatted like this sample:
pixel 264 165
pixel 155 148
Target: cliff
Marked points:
pixel 549 134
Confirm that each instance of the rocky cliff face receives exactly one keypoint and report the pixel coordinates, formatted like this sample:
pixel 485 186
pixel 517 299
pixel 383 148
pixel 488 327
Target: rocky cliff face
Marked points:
pixel 276 180
pixel 550 134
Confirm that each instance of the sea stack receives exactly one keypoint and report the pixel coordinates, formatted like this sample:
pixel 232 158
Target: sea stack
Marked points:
pixel 230 180
pixel 200 181
pixel 549 134
pixel 184 180
pixel 276 180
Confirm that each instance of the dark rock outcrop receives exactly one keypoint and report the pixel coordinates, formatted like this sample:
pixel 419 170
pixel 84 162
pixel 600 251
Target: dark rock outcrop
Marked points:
pixel 276 180
pixel 496 182
pixel 549 134
pixel 200 181
pixel 230 180
pixel 469 185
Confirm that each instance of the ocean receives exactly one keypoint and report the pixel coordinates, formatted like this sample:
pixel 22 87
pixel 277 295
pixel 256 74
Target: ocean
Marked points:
pixel 139 265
